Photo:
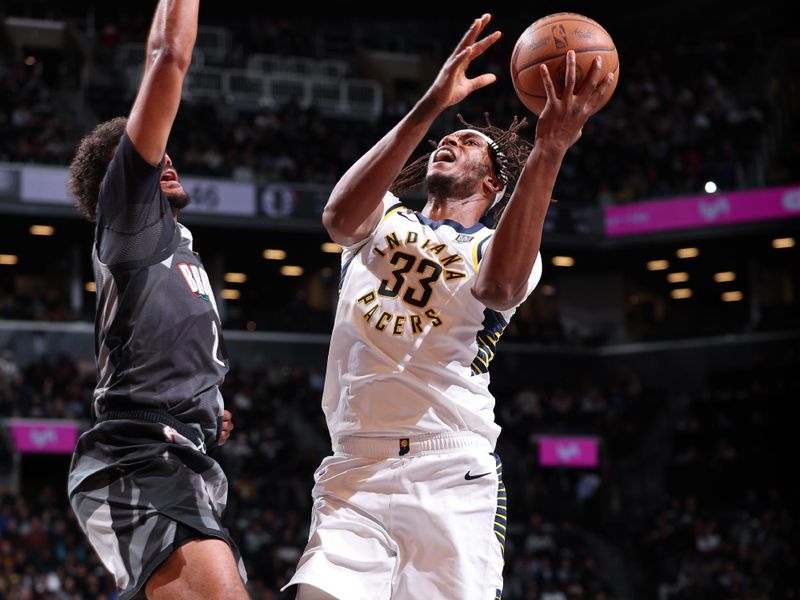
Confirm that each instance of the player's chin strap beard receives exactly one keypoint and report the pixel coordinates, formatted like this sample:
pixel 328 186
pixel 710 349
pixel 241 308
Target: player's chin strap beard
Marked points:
pixel 498 160
pixel 179 201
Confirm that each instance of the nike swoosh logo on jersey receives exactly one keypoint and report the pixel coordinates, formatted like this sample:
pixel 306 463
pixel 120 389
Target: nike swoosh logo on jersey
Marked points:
pixel 469 477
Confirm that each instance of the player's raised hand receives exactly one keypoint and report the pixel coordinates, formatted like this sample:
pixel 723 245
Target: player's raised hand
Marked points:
pixel 452 85
pixel 562 119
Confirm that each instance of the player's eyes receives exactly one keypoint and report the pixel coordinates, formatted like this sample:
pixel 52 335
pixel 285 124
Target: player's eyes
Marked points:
pixel 473 142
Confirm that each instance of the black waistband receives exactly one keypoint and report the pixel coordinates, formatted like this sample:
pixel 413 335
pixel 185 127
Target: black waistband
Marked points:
pixel 150 415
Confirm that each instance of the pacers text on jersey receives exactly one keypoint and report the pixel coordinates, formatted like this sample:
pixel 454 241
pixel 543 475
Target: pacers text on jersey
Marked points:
pixel 418 267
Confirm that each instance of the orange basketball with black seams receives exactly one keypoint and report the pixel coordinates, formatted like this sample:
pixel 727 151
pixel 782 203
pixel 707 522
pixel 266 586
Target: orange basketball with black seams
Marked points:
pixel 547 41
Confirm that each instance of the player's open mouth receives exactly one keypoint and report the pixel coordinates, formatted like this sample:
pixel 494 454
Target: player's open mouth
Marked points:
pixel 444 155
pixel 169 175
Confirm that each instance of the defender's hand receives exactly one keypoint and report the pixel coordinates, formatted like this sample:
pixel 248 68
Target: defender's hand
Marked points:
pixel 451 85
pixel 227 427
pixel 562 120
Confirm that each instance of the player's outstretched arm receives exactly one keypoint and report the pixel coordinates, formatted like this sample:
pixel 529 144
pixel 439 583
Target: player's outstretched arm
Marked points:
pixel 503 278
pixel 169 53
pixel 354 207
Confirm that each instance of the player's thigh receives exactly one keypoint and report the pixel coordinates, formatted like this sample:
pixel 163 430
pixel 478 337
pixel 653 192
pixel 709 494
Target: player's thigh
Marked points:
pixel 451 528
pixel 200 568
pixel 349 554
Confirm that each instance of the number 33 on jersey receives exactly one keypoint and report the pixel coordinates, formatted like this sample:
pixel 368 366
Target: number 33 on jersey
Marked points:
pixel 407 288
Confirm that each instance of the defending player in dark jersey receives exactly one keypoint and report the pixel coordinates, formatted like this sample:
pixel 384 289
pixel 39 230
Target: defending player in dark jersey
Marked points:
pixel 144 490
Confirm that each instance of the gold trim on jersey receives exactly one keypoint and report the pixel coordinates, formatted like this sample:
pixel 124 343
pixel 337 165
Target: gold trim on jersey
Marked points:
pixel 476 248
pixel 391 210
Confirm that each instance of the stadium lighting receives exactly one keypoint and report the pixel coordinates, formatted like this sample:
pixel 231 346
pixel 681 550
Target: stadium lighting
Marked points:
pixel 681 293
pixel 687 252
pixel 732 296
pixel 235 277
pixel 229 294
pixel 42 230
pixel 274 254
pixel 251 326
pixel 786 242
pixel 291 271
pixel 563 261
pixel 679 277
pixel 331 248
pixel 658 265
pixel 90 287
pixel 724 276
pixel 8 259
pixel 710 187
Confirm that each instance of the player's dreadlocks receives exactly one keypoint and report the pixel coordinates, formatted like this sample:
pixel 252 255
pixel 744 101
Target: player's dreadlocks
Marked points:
pixel 509 154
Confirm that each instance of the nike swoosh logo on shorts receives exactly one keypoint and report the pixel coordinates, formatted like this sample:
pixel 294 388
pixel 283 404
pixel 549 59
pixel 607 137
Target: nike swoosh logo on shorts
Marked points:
pixel 469 477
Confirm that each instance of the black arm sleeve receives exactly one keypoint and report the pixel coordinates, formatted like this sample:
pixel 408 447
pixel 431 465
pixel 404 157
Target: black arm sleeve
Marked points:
pixel 134 219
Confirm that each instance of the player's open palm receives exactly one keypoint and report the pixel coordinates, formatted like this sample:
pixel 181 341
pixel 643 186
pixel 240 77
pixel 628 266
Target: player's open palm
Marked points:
pixel 562 119
pixel 452 84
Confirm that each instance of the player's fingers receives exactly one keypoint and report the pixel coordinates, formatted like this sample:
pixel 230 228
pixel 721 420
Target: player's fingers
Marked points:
pixel 596 99
pixel 548 83
pixel 462 58
pixel 477 83
pixel 472 33
pixel 593 79
pixel 480 47
pixel 569 74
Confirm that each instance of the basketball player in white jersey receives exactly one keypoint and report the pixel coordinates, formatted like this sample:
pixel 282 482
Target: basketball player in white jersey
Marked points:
pixel 411 504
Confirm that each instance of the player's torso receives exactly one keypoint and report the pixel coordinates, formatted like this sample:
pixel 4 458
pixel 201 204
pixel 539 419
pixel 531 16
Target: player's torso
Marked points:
pixel 410 347
pixel 158 334
pixel 409 287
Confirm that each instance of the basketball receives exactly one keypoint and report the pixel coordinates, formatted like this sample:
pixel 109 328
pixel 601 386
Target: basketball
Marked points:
pixel 547 41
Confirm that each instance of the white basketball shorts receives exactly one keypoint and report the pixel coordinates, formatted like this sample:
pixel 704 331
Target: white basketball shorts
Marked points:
pixel 416 518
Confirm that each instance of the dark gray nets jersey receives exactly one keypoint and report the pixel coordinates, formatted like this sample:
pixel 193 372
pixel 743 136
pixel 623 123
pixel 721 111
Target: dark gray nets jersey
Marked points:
pixel 157 332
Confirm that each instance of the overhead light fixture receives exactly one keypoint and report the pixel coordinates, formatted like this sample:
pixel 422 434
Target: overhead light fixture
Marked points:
pixel 291 271
pixel 681 293
pixel 658 265
pixel 732 296
pixel 9 259
pixel 42 230
pixel 548 290
pixel 251 326
pixel 274 254
pixel 724 276
pixel 679 277
pixel 90 287
pixel 331 248
pixel 687 252
pixel 786 242
pixel 235 277
pixel 230 294
pixel 563 261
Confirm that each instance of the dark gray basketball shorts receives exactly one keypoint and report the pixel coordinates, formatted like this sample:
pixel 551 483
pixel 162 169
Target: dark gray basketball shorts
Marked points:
pixel 139 491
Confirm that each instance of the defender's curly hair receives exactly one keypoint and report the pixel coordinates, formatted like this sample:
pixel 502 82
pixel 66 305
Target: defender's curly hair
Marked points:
pixel 88 166
pixel 508 158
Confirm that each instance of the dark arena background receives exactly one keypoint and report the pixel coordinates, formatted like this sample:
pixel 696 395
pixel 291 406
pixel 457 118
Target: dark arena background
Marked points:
pixel 647 389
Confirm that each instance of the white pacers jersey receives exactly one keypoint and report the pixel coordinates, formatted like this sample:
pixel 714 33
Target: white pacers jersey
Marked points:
pixel 411 345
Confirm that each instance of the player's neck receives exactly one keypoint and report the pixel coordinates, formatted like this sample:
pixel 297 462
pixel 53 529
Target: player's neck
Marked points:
pixel 465 211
